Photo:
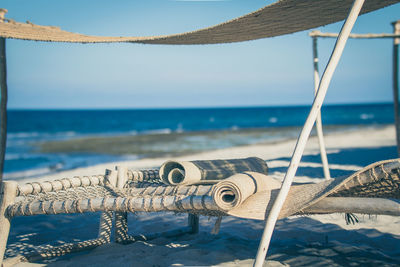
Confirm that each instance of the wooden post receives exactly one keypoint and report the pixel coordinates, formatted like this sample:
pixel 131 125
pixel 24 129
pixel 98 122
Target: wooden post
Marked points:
pixel 396 42
pixel 318 124
pixel 8 192
pixel 121 218
pixel 3 12
pixel 3 104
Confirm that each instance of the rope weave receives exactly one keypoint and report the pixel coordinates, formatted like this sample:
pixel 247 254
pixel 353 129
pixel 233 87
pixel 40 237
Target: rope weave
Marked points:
pixel 279 18
pixel 35 188
pixel 178 203
pixel 143 175
pixel 381 179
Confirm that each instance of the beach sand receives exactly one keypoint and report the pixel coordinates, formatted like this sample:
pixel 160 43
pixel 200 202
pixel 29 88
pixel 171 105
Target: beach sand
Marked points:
pixel 317 240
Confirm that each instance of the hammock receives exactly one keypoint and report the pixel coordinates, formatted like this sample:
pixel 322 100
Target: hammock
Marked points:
pixel 373 190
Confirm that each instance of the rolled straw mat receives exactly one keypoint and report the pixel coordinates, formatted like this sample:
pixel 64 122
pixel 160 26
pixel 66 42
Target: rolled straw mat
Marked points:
pixel 378 180
pixel 208 171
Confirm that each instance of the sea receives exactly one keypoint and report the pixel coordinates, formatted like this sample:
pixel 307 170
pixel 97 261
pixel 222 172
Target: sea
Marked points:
pixel 28 130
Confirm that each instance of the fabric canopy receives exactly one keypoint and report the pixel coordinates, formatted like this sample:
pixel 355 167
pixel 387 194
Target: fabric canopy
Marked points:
pixel 282 17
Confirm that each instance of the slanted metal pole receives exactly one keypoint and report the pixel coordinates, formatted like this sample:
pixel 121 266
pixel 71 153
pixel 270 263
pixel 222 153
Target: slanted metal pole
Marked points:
pixel 305 133
pixel 318 124
pixel 396 42
pixel 3 105
pixel 4 97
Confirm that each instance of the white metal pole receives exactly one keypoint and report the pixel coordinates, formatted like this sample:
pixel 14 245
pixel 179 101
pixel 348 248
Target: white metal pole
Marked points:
pixel 396 42
pixel 3 104
pixel 305 133
pixel 318 124
pixel 356 35
pixel 4 97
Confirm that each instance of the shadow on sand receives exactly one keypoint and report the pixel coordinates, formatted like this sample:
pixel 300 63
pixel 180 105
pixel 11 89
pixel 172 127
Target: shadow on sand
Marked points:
pixel 297 241
pixel 347 156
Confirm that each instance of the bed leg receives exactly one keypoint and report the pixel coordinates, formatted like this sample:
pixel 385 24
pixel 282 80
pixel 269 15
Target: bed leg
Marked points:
pixel 121 218
pixel 106 217
pixel 105 226
pixel 193 221
pixel 8 193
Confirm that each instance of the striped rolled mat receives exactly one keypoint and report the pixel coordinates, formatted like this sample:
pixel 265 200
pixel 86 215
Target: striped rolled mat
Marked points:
pixel 208 171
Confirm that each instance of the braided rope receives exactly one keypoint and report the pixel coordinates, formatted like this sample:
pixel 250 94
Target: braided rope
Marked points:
pixel 380 181
pixel 143 178
pixel 119 204
pixel 35 188
pixel 107 190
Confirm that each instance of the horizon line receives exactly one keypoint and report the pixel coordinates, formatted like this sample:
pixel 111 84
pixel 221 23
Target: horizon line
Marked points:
pixel 189 107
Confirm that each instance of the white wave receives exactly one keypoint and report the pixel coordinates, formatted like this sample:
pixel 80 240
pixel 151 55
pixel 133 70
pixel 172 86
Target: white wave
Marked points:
pixel 23 134
pixel 16 142
pixel 69 133
pixel 22 156
pixel 9 156
pixel 158 131
pixel 273 119
pixel 18 156
pixel 366 116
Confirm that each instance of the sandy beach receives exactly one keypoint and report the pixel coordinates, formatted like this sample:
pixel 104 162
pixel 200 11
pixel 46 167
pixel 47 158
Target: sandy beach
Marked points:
pixel 317 240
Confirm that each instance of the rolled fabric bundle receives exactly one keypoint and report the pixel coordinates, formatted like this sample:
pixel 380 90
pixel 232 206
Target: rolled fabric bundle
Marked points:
pixel 232 192
pixel 377 180
pixel 192 172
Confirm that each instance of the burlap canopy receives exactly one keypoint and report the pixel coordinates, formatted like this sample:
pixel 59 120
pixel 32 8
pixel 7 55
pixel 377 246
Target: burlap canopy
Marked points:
pixel 282 17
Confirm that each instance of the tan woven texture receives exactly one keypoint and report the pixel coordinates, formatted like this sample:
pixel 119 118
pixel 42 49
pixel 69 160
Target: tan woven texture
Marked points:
pixel 247 195
pixel 282 17
pixel 378 180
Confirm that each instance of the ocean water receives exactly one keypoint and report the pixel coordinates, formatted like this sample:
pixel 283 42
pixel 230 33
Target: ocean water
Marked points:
pixel 29 128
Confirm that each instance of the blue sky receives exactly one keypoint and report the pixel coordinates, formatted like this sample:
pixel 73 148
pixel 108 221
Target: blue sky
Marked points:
pixel 274 71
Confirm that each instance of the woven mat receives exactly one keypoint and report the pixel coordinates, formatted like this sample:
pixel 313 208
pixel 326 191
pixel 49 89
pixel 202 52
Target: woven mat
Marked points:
pixel 282 17
pixel 208 171
pixel 378 180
